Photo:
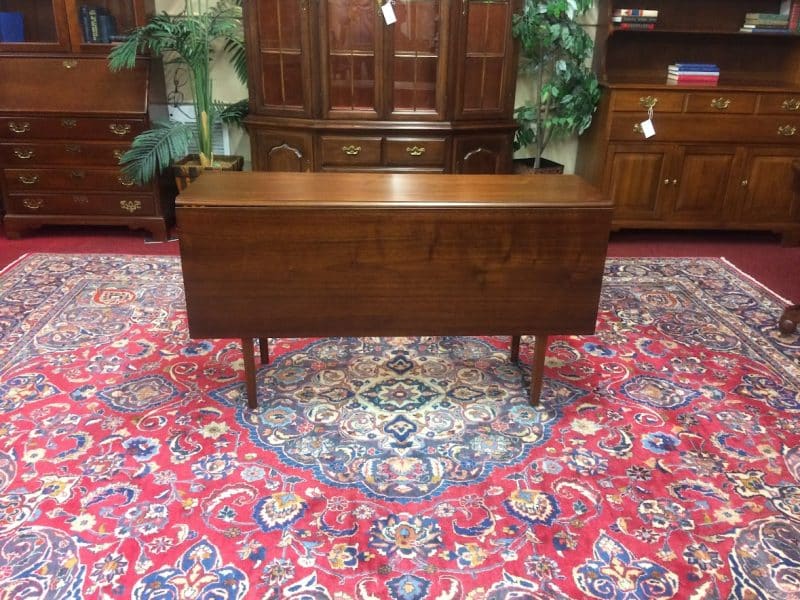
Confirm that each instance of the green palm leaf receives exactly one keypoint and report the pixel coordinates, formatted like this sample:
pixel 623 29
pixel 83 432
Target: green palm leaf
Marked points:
pixel 155 150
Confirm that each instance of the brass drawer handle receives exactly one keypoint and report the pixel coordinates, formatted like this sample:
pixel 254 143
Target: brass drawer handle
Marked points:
pixel 28 179
pixel 120 128
pixel 130 205
pixel 416 150
pixel 637 128
pixel 33 203
pixel 69 64
pixel 126 181
pixel 69 123
pixel 787 130
pixel 78 174
pixel 720 103
pixel 118 154
pixel 19 127
pixel 744 182
pixel 648 102
pixel 72 148
pixel 351 150
pixel 792 104
pixel 80 199
pixel 23 153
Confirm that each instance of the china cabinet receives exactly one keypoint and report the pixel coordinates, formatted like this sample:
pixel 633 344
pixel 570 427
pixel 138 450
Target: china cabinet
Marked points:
pixel 65 119
pixel 335 86
pixel 722 156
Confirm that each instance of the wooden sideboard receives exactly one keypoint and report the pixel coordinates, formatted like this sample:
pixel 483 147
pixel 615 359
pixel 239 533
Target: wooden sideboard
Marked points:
pixel 374 254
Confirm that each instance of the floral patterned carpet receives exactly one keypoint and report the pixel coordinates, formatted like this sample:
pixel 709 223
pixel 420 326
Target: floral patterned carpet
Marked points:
pixel 663 462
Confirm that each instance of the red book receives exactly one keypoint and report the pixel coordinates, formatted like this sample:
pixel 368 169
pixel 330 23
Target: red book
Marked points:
pixel 635 26
pixel 794 15
pixel 693 78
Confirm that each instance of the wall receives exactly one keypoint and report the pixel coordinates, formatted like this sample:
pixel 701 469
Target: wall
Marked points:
pixel 227 88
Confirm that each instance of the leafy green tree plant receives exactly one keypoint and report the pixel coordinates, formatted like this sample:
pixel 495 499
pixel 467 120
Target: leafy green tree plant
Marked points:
pixel 554 52
pixel 205 31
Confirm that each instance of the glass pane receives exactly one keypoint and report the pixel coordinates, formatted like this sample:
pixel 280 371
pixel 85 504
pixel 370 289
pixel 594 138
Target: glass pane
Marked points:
pixel 282 79
pixel 105 21
pixel 482 83
pixel 351 49
pixel 281 53
pixel 416 54
pixel 27 21
pixel 487 35
pixel 486 29
pixel 279 24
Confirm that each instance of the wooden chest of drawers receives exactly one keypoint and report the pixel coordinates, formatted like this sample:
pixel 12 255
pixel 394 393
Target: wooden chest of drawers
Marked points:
pixel 64 124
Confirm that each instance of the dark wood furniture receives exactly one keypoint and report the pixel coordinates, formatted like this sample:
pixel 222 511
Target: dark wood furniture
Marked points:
pixel 65 120
pixel 333 87
pixel 721 157
pixel 373 254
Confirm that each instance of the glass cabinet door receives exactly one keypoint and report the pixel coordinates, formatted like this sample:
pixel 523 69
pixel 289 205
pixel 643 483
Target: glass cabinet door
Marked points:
pixel 484 70
pixel 33 25
pixel 417 86
pixel 351 47
pixel 94 24
pixel 283 80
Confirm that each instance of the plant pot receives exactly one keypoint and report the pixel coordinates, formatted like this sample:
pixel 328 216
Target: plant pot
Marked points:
pixel 188 168
pixel 524 166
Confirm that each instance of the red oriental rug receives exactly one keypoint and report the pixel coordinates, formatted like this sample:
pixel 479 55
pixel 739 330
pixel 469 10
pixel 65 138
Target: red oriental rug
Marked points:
pixel 664 461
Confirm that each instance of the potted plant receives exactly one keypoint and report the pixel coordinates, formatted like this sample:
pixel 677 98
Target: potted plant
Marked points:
pixel 194 38
pixel 554 54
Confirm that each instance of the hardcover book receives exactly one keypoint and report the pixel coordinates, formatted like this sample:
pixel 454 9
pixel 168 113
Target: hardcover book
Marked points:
pixel 12 27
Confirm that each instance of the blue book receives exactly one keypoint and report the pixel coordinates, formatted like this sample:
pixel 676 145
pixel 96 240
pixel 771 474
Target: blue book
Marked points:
pixel 695 66
pixel 11 27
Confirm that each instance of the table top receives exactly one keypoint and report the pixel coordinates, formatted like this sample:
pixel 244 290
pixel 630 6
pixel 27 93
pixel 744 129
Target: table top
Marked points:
pixel 389 190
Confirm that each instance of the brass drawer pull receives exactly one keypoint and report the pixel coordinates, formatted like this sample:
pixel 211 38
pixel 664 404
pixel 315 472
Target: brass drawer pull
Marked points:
pixel 80 199
pixel 648 102
pixel 126 181
pixel 120 128
pixel 351 150
pixel 19 126
pixel 118 154
pixel 23 153
pixel 69 123
pixel 69 64
pixel 72 149
pixel 792 104
pixel 720 103
pixel 130 205
pixel 787 130
pixel 78 174
pixel 416 150
pixel 637 128
pixel 744 182
pixel 33 203
pixel 28 179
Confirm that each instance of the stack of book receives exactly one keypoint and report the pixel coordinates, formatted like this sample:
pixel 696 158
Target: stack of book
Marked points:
pixel 693 74
pixel 97 24
pixel 11 27
pixel 755 22
pixel 638 19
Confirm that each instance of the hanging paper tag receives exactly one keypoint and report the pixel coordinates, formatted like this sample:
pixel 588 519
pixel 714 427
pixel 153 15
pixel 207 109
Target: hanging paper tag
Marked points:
pixel 388 13
pixel 647 128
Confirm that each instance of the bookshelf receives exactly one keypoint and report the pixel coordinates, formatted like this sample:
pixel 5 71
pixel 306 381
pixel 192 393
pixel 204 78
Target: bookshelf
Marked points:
pixel 723 156
pixel 65 119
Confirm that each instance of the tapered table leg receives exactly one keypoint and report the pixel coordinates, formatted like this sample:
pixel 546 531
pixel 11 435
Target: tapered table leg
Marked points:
pixel 515 348
pixel 537 369
pixel 263 350
pixel 250 372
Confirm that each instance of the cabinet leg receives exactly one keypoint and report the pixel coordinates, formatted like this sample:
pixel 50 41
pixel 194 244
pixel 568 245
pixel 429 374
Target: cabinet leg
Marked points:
pixel 537 369
pixel 263 350
pixel 250 372
pixel 789 319
pixel 515 348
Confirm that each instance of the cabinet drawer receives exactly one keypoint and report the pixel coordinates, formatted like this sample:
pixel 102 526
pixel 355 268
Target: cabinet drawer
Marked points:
pixel 345 151
pixel 53 179
pixel 25 154
pixel 414 152
pixel 720 102
pixel 66 128
pixel 81 204
pixel 709 129
pixel 639 101
pixel 779 104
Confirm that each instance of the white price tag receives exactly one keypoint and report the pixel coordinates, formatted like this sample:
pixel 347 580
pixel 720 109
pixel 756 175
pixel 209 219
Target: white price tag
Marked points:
pixel 647 128
pixel 388 13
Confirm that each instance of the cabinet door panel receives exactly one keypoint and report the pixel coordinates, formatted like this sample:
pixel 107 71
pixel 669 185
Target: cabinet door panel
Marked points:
pixel 417 65
pixel 703 176
pixel 282 78
pixel 634 180
pixel 768 186
pixel 486 76
pixel 41 25
pixel 479 155
pixel 351 45
pixel 279 151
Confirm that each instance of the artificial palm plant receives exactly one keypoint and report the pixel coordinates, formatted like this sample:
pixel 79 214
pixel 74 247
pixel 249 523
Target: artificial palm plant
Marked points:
pixel 202 33
pixel 554 52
